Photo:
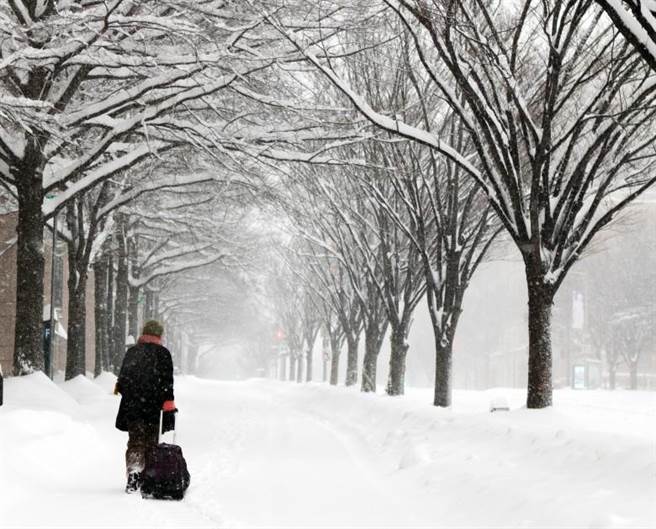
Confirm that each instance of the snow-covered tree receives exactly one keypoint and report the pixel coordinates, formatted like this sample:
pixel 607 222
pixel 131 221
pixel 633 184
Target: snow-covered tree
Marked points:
pixel 88 90
pixel 618 283
pixel 440 211
pixel 557 108
pixel 389 260
pixel 287 294
pixel 636 20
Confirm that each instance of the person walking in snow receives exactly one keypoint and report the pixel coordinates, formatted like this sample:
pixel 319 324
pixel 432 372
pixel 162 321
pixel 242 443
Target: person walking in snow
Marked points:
pixel 145 384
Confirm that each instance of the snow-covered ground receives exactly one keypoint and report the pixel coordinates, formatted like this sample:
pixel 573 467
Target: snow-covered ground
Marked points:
pixel 269 454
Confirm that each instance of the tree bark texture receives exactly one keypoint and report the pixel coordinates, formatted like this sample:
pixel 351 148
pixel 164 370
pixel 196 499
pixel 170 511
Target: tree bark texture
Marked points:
pixel 155 314
pixel 325 357
pixel 373 341
pixel 308 365
pixel 120 306
pixel 336 343
pixel 540 302
pixel 149 306
pixel 100 314
pixel 109 316
pixel 75 345
pixel 334 368
pixel 443 368
pixel 398 353
pixel 335 350
pixel 30 265
pixel 77 285
pixel 352 344
pixel 133 315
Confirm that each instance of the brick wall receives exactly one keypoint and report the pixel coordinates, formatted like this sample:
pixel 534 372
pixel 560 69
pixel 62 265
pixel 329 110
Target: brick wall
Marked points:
pixel 7 290
pixel 8 299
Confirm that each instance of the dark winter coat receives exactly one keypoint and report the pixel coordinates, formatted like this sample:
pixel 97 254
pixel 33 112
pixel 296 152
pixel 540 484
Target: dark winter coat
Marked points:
pixel 144 382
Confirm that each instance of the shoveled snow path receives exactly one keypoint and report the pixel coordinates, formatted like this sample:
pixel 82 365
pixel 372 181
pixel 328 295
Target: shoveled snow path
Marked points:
pixel 255 459
pixel 266 463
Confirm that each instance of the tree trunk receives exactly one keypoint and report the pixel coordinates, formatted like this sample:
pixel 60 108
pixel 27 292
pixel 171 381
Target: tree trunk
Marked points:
pixel 155 314
pixel 149 303
pixel 325 356
pixel 120 306
pixel 133 315
pixel 334 360
pixel 612 371
pixel 443 365
pixel 292 367
pixel 299 368
pixel 100 314
pixel 352 360
pixel 399 351
pixel 373 341
pixel 443 388
pixel 308 364
pixel 109 317
pixel 30 265
pixel 540 301
pixel 633 375
pixel 75 345
pixel 445 307
pixel 334 368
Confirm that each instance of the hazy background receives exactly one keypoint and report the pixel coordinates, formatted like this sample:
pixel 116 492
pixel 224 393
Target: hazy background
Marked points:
pixel 615 277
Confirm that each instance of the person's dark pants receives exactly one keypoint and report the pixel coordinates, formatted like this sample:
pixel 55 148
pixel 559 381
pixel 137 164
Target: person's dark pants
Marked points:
pixel 141 438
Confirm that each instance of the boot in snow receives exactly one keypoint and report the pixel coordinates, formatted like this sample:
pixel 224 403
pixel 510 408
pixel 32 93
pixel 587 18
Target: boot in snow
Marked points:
pixel 134 482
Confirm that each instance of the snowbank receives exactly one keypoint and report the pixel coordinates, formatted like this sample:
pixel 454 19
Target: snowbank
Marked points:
pixel 587 462
pixel 38 434
pixel 266 453
pixel 62 460
pixel 83 390
pixel 38 392
pixel 106 381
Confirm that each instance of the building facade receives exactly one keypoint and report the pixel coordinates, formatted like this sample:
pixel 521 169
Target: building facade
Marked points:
pixel 55 290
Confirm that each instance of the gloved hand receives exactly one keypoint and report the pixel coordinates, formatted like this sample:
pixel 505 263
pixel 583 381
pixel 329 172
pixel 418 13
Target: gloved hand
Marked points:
pixel 116 389
pixel 169 405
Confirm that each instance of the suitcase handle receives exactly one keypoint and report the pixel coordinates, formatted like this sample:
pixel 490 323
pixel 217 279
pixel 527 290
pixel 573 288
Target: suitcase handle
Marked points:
pixel 159 430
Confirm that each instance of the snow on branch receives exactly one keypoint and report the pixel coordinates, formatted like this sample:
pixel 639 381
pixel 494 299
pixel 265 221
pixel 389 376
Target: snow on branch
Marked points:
pixel 175 268
pixel 636 20
pixel 396 126
pixel 102 172
pixel 165 183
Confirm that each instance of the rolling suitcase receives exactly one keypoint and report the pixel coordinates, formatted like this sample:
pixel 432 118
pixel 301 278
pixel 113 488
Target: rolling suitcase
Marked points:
pixel 166 476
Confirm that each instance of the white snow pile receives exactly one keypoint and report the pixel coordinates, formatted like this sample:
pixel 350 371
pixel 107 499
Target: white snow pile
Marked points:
pixel 106 381
pixel 271 454
pixel 62 460
pixel 83 390
pixel 590 461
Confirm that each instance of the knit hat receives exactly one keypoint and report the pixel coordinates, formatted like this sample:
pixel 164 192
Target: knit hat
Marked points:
pixel 153 328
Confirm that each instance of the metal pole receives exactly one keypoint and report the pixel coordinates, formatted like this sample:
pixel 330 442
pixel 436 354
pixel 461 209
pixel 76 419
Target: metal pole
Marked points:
pixel 51 342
